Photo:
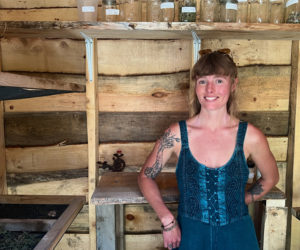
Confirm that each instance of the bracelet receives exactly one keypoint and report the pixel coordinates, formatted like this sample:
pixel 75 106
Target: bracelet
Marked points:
pixel 164 229
pixel 162 226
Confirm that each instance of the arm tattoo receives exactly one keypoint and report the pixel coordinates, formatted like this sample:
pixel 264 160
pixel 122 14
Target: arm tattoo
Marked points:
pixel 167 141
pixel 255 189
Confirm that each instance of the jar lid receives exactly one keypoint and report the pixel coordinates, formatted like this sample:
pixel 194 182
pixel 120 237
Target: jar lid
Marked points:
pixel 167 1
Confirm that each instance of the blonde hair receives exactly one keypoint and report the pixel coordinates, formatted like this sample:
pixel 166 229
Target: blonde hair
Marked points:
pixel 214 63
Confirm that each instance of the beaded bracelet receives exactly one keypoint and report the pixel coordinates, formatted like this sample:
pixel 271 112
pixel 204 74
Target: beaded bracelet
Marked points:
pixel 169 228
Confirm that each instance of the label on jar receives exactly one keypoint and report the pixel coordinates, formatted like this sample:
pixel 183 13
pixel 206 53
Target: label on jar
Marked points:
pixel 169 5
pixel 112 12
pixel 88 9
pixel 242 1
pixel 231 6
pixel 188 9
pixel 290 2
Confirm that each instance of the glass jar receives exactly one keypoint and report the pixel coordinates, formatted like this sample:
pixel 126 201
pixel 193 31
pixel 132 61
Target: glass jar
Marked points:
pixel 187 11
pixel 259 11
pixel 153 10
pixel 209 11
pixel 276 11
pixel 292 11
pixel 242 11
pixel 131 10
pixel 228 10
pixel 167 11
pixel 110 12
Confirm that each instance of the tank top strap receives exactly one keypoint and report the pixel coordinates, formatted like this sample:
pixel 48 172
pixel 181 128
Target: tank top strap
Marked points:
pixel 184 135
pixel 241 133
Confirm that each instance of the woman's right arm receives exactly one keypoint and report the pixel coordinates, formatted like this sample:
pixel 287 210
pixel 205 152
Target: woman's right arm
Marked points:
pixel 163 149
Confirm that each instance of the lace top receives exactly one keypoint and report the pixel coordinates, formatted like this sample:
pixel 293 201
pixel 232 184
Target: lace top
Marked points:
pixel 212 195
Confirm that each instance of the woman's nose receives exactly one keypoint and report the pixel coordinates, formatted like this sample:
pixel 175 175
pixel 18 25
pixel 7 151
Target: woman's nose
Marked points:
pixel 210 87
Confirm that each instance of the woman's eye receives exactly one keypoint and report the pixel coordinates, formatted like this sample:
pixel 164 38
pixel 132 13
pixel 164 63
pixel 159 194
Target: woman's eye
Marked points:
pixel 219 81
pixel 201 81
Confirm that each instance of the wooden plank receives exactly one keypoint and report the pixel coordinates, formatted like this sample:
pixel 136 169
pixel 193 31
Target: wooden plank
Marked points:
pixel 242 51
pixel 81 222
pixel 292 187
pixel 55 158
pixel 122 188
pixel 67 56
pixel 143 219
pixel 73 242
pixel 28 225
pixel 76 186
pixel 264 88
pixel 275 222
pixel 295 243
pixel 145 242
pixel 106 223
pixel 15 80
pixel 30 4
pixel 52 237
pixel 37 199
pixel 66 128
pixel 159 30
pixel 42 14
pixel 282 166
pixel 92 114
pixel 42 55
pixel 3 184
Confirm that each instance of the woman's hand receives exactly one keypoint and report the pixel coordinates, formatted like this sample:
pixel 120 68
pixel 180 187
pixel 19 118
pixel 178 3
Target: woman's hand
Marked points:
pixel 172 238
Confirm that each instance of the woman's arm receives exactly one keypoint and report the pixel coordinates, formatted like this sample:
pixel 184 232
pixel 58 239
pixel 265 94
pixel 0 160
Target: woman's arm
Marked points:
pixel 163 149
pixel 257 146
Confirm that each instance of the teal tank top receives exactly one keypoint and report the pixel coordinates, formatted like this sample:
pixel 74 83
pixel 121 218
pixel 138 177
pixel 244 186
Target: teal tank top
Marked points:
pixel 212 195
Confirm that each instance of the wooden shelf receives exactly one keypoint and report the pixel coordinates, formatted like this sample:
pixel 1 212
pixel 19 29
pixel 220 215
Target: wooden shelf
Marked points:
pixel 145 30
pixel 122 188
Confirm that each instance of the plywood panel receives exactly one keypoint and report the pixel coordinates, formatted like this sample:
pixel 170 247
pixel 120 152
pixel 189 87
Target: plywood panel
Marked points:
pixel 29 4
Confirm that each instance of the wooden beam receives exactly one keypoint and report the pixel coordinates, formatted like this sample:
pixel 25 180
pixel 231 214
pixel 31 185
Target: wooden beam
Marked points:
pixel 93 134
pixel 3 184
pixel 23 81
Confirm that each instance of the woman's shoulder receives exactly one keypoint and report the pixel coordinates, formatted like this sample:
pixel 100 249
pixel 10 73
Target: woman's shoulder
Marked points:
pixel 254 135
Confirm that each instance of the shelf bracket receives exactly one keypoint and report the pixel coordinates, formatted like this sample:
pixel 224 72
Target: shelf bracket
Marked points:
pixel 197 46
pixel 89 55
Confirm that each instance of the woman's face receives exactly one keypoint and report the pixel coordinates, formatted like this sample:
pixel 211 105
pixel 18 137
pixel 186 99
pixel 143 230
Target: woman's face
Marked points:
pixel 213 91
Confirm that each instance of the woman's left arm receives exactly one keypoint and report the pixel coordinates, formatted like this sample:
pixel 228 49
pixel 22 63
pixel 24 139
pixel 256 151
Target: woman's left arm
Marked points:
pixel 257 147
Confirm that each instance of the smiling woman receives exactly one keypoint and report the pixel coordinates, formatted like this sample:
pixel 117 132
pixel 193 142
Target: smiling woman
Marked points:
pixel 212 149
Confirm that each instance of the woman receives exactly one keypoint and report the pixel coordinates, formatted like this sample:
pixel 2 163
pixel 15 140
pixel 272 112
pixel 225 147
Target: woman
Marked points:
pixel 212 147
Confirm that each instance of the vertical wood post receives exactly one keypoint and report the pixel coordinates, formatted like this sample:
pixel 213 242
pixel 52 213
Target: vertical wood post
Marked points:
pixel 3 184
pixel 92 131
pixel 196 46
pixel 293 155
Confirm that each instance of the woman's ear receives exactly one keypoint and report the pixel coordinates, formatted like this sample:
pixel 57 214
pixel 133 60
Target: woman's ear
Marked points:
pixel 234 84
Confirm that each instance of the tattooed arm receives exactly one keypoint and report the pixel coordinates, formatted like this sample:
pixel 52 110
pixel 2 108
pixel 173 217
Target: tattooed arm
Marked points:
pixel 164 147
pixel 256 145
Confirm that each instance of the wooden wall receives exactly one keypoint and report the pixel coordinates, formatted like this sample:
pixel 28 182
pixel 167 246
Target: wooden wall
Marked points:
pixel 142 90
